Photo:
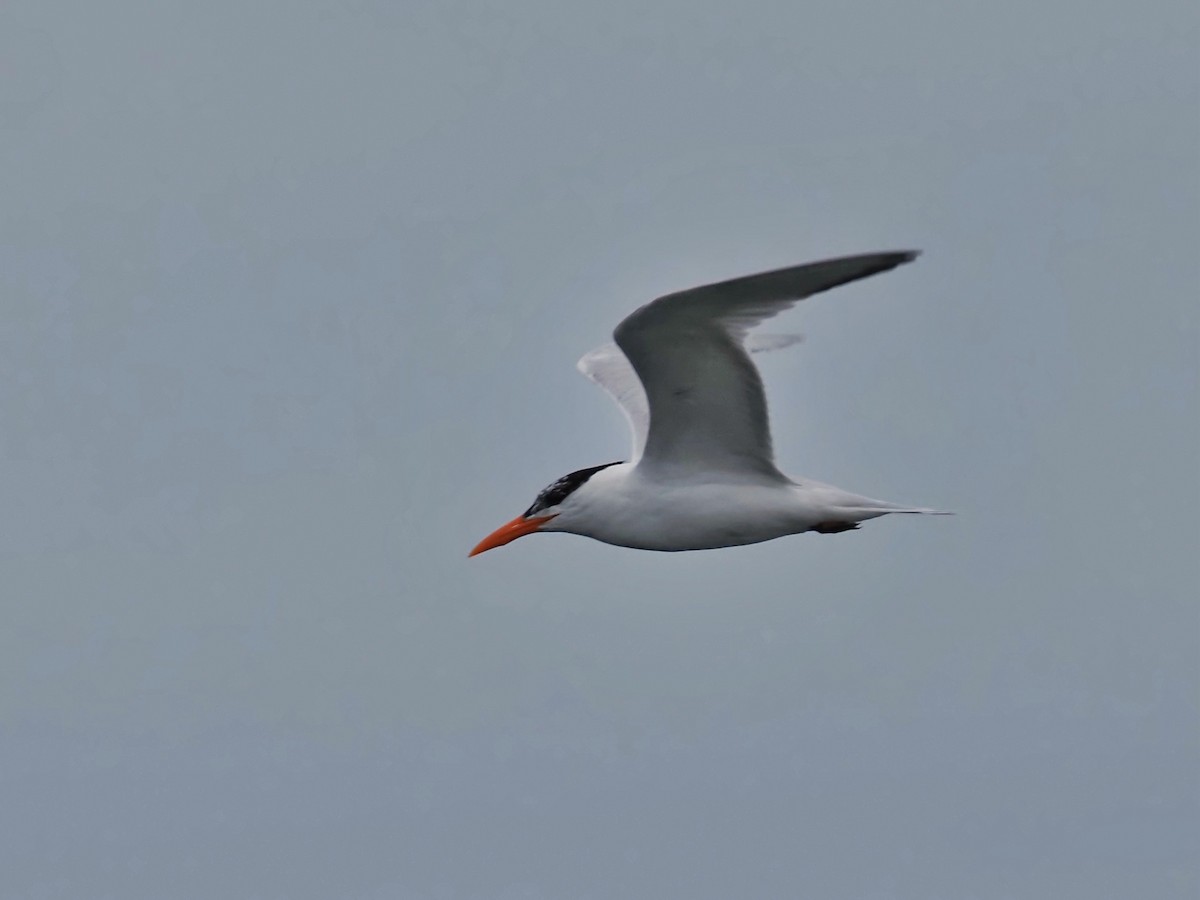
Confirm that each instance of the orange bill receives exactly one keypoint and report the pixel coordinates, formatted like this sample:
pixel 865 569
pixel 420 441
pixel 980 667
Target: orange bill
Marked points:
pixel 505 534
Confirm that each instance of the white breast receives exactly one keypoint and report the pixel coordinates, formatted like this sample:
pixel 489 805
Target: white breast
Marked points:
pixel 621 506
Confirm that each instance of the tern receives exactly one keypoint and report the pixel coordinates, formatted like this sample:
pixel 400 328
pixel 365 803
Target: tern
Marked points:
pixel 702 472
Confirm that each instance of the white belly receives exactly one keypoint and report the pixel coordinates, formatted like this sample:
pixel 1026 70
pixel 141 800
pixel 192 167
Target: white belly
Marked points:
pixel 625 509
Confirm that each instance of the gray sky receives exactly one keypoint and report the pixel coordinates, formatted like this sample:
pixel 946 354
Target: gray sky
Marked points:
pixel 291 299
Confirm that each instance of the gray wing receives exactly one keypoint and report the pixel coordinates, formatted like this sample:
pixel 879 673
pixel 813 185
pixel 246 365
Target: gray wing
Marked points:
pixel 608 367
pixel 704 407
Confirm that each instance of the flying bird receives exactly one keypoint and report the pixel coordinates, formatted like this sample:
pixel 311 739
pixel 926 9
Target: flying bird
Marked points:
pixel 702 472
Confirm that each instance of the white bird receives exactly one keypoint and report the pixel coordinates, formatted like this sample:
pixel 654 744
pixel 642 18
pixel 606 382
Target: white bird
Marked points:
pixel 702 473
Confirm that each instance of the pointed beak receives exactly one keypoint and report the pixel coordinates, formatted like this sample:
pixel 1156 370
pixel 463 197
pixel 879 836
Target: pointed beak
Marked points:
pixel 505 534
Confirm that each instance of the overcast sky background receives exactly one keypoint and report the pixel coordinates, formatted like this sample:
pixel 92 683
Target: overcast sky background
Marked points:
pixel 290 300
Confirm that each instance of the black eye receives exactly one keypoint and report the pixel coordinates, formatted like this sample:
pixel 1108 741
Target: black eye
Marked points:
pixel 557 492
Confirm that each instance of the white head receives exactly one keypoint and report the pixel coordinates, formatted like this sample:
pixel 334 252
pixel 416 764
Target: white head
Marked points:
pixel 554 500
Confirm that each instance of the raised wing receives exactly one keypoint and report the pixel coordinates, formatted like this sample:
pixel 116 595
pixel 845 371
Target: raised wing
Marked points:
pixel 705 401
pixel 608 367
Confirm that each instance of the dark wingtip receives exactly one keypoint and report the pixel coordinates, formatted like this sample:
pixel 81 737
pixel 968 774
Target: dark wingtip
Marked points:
pixel 890 259
pixel 883 261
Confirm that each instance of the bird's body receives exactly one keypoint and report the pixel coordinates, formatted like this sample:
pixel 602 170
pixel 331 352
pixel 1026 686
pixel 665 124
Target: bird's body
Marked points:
pixel 620 505
pixel 702 473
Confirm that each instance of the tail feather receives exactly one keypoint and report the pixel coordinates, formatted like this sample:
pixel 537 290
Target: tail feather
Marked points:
pixel 862 513
pixel 857 507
